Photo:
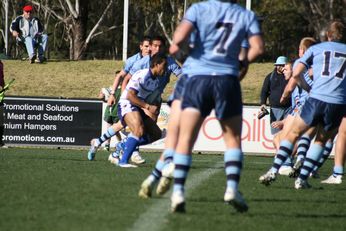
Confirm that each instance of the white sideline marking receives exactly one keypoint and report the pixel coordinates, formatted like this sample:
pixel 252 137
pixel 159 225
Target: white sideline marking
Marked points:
pixel 154 218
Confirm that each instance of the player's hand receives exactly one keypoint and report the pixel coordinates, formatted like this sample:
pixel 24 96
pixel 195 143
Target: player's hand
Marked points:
pixel 174 49
pixel 15 33
pixel 263 106
pixel 153 109
pixel 283 100
pixel 277 124
pixel 111 100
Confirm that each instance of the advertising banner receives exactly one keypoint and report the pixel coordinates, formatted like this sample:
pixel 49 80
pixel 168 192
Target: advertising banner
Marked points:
pixel 256 136
pixel 54 122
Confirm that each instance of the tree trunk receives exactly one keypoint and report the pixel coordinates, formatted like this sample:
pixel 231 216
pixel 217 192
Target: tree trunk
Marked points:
pixel 79 31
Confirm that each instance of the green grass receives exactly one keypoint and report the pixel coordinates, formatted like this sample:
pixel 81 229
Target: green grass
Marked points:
pixel 84 79
pixel 50 189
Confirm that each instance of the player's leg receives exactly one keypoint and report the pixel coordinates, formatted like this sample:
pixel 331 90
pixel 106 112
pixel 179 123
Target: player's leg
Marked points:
pixel 166 156
pixel 115 156
pixel 328 147
pixel 233 158
pixel 286 167
pixel 189 125
pixel 96 143
pixel 330 115
pixel 170 145
pixel 340 156
pixel 303 145
pixel 312 156
pixel 134 121
pixel 297 128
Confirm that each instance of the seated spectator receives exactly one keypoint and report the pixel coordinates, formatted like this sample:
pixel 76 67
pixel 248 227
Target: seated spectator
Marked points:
pixel 29 31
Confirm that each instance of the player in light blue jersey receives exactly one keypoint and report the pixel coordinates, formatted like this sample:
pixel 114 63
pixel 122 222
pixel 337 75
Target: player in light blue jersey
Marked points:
pixel 326 104
pixel 116 127
pixel 213 69
pixel 298 97
pixel 144 51
pixel 158 45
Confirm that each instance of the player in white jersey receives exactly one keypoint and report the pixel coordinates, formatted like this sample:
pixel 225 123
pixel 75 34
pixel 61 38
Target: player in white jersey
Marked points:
pixel 116 127
pixel 213 69
pixel 157 45
pixel 132 102
pixel 326 104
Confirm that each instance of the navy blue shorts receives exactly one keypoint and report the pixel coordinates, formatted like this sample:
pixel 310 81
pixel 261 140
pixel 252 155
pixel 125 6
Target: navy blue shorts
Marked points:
pixel 208 92
pixel 178 89
pixel 316 112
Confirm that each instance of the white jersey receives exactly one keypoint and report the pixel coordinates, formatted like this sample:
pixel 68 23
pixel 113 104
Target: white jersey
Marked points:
pixel 143 83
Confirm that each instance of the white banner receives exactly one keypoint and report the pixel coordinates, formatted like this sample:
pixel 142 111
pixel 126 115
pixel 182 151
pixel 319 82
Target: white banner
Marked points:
pixel 256 136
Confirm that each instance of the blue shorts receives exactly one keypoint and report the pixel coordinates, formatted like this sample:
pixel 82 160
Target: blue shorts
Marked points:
pixel 178 89
pixel 208 92
pixel 328 115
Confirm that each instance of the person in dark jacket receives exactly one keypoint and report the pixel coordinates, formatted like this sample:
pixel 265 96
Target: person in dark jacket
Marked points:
pixel 273 86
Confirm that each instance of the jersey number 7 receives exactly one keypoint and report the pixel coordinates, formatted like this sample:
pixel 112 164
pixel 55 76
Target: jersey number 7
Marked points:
pixel 220 43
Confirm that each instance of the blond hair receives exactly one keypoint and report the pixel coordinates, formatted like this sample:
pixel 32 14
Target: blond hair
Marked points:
pixel 307 42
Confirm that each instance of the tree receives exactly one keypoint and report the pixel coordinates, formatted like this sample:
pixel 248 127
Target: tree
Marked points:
pixel 319 13
pixel 74 17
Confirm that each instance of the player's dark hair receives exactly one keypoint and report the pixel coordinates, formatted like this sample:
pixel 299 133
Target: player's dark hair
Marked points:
pixel 159 38
pixel 157 58
pixel 145 38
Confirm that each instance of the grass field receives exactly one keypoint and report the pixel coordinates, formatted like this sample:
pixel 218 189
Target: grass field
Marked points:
pixel 84 79
pixel 51 189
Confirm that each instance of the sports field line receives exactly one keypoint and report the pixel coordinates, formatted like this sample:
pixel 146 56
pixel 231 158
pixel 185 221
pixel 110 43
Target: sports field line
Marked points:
pixel 154 218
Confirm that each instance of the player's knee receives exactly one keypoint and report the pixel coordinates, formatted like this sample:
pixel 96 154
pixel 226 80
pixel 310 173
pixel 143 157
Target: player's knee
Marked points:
pixel 138 131
pixel 293 135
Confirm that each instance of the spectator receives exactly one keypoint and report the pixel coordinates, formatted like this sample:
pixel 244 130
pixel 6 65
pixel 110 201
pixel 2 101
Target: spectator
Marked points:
pixel 29 30
pixel 273 86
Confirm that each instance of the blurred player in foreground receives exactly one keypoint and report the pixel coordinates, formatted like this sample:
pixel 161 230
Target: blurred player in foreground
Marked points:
pixel 163 170
pixel 213 69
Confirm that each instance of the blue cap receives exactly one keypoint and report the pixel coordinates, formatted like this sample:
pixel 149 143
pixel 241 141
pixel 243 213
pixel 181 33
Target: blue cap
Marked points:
pixel 281 60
